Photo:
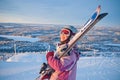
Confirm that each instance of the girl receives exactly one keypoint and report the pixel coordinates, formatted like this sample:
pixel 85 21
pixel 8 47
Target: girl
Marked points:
pixel 65 67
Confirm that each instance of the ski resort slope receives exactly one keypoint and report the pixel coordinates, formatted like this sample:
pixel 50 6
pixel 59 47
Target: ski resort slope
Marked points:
pixel 26 66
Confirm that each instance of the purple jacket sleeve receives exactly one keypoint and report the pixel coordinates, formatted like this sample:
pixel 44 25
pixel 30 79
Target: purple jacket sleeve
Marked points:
pixel 55 63
pixel 63 63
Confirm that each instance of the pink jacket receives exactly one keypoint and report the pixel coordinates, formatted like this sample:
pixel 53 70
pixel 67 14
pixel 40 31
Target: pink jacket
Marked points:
pixel 65 67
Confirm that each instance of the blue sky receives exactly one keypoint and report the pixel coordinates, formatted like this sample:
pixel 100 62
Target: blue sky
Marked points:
pixel 75 12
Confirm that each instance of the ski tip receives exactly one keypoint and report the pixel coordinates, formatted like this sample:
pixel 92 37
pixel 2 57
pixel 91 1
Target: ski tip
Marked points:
pixel 97 12
pixel 104 14
pixel 99 6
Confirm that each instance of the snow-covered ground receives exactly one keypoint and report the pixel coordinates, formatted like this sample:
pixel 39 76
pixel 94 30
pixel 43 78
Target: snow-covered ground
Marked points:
pixel 20 38
pixel 26 67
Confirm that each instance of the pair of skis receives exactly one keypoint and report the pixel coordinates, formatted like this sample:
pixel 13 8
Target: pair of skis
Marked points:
pixel 95 18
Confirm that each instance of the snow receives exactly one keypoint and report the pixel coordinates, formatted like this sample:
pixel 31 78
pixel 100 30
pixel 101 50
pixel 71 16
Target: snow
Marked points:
pixel 111 44
pixel 27 57
pixel 98 68
pixel 18 70
pixel 20 38
pixel 22 66
pixel 26 66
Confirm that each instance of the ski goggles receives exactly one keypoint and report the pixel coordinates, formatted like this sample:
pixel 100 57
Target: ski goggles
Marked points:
pixel 65 31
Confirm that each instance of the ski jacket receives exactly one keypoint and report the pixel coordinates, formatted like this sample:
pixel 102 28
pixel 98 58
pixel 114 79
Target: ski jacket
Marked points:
pixel 65 67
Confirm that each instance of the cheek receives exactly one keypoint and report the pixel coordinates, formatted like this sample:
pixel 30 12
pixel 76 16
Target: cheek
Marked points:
pixel 63 37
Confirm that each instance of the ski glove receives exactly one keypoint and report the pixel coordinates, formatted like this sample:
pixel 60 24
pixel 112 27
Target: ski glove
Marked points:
pixel 49 54
pixel 60 49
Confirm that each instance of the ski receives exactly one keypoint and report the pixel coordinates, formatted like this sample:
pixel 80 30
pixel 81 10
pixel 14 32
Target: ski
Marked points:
pixel 96 17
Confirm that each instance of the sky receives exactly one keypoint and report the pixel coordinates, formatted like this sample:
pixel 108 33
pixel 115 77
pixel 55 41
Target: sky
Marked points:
pixel 73 12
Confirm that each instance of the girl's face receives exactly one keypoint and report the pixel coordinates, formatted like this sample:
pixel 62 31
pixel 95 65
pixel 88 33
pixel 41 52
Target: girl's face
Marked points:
pixel 64 34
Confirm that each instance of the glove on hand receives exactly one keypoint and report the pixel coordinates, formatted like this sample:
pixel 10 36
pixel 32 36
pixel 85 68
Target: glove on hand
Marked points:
pixel 49 54
pixel 62 48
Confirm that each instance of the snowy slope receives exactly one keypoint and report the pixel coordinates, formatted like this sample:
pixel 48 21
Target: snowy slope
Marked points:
pixel 99 68
pixel 23 66
pixel 21 38
pixel 27 57
pixel 26 67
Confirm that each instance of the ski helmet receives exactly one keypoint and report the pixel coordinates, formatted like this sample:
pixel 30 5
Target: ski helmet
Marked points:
pixel 71 28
